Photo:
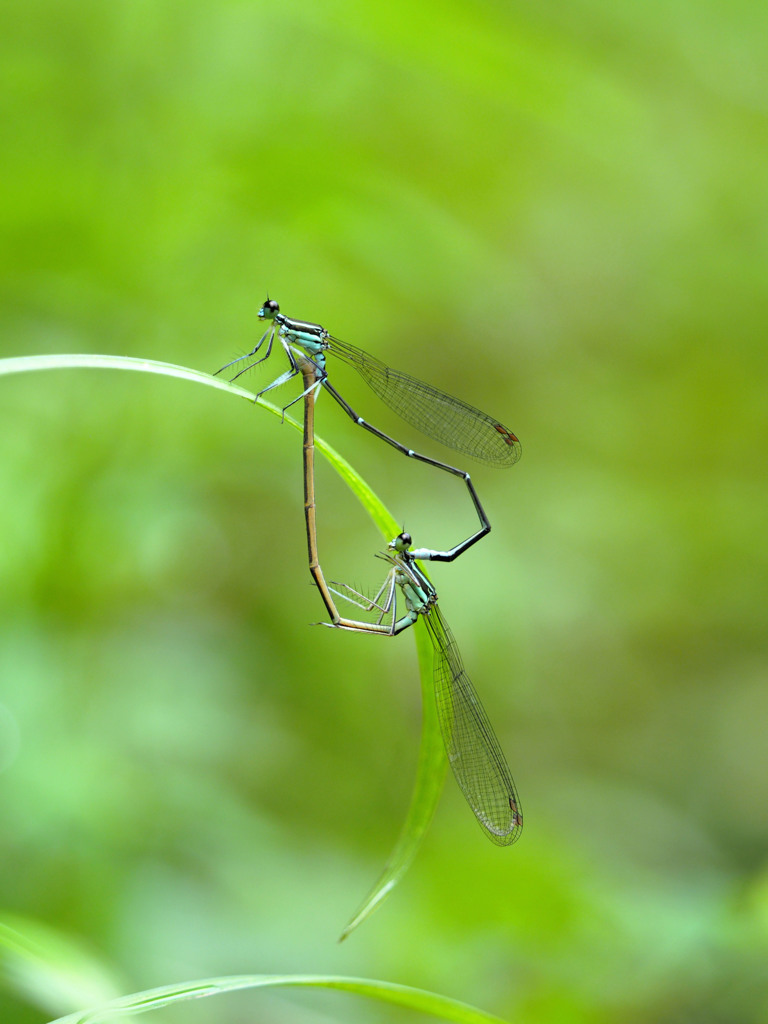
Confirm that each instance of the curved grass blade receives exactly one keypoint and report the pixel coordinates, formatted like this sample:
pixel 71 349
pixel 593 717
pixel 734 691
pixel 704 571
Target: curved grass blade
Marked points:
pixel 430 777
pixel 430 774
pixel 49 969
pixel 25 364
pixel 169 995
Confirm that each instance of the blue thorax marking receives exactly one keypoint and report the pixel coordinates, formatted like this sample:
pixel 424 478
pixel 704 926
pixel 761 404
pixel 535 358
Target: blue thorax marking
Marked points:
pixel 310 338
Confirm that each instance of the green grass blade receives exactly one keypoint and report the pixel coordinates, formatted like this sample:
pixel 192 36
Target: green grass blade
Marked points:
pixel 26 364
pixel 430 777
pixel 402 995
pixel 48 968
pixel 430 774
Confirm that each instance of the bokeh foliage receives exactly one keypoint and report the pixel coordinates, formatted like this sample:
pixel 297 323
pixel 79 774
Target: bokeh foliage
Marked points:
pixel 556 210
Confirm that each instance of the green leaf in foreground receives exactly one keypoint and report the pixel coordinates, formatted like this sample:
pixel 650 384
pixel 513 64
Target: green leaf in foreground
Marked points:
pixel 49 969
pixel 403 995
pixel 430 774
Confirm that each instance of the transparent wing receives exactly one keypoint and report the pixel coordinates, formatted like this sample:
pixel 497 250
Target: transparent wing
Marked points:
pixel 449 420
pixel 473 751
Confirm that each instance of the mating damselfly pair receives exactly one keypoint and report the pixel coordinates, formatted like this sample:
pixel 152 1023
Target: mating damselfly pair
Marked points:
pixel 473 751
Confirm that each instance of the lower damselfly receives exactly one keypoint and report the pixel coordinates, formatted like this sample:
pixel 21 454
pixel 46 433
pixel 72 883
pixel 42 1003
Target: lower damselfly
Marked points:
pixel 446 419
pixel 474 753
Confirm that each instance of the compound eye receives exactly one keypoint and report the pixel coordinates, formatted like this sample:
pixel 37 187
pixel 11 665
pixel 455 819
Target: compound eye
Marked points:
pixel 272 306
pixel 405 539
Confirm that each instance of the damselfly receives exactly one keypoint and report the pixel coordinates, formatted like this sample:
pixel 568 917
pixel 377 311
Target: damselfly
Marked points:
pixel 448 420
pixel 474 753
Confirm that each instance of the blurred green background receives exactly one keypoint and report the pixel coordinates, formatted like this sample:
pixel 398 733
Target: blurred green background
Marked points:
pixel 558 211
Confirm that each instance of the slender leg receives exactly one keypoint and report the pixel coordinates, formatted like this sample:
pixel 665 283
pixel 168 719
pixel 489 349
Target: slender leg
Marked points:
pixel 284 377
pixel 368 604
pixel 312 387
pixel 251 353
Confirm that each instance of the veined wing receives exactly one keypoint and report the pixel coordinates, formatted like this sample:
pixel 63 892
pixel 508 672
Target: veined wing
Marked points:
pixel 473 751
pixel 449 420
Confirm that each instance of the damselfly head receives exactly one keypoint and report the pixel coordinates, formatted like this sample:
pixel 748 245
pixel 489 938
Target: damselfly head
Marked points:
pixel 402 542
pixel 268 310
